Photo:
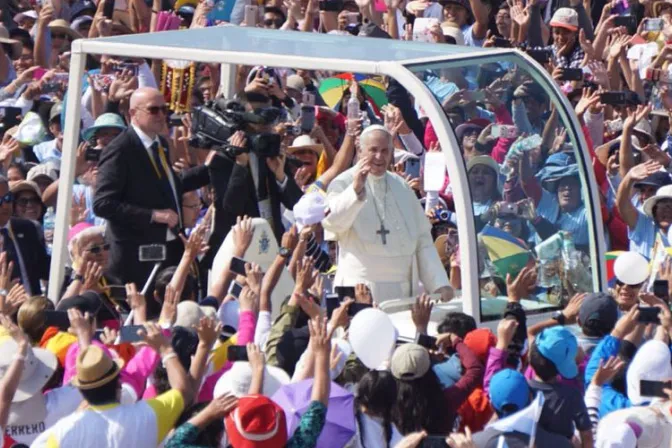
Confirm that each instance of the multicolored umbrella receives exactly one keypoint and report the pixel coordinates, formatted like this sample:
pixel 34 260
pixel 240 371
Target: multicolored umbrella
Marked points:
pixel 507 253
pixel 332 89
pixel 340 426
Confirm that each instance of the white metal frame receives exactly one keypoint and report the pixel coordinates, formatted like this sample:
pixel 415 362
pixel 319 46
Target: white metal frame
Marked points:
pixel 395 69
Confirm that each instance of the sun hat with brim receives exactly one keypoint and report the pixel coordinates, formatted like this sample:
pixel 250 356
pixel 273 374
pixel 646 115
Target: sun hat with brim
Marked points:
pixel 257 422
pixel 657 6
pixel 108 120
pixel 47 170
pixel 95 368
pixel 63 27
pixel 15 45
pixel 410 362
pixel 604 151
pixel 565 18
pixel 237 380
pixel 659 179
pixel 305 142
pixel 558 345
pixel 663 193
pixel 416 7
pixel 477 123
pixel 551 175
pixel 30 14
pixel 26 185
pixel 38 368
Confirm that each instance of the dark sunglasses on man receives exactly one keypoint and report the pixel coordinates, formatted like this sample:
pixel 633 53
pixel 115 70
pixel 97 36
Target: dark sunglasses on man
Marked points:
pixel 7 199
pixel 154 110
pixel 277 23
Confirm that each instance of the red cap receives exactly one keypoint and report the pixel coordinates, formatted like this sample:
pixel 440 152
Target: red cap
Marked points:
pixel 479 342
pixel 257 422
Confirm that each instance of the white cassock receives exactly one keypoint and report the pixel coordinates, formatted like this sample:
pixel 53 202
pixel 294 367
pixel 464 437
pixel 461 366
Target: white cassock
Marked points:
pixel 392 270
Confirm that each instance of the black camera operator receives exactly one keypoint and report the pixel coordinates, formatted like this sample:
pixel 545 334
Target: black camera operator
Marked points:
pixel 251 176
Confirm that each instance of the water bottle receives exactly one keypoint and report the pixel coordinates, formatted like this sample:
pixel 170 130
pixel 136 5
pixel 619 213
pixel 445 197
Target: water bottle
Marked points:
pixel 49 222
pixel 353 114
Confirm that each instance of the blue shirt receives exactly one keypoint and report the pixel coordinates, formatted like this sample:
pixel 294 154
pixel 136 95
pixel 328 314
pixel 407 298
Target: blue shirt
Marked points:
pixel 47 151
pixel 574 222
pixel 643 236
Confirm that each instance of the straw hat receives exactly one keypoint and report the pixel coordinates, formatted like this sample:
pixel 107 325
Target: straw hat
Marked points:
pixel 303 142
pixel 662 193
pixel 16 45
pixel 95 368
pixel 63 27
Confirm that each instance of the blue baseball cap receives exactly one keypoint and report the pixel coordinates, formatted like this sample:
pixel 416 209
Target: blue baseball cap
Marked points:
pixel 509 387
pixel 559 345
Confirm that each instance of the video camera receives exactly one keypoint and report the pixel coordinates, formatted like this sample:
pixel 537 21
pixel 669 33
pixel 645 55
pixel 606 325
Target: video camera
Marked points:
pixel 215 122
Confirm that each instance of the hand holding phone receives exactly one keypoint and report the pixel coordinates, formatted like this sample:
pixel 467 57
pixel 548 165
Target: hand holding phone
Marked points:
pixel 237 353
pixel 238 266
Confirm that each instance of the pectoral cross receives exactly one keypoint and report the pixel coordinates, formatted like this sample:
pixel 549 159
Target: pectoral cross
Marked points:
pixel 383 233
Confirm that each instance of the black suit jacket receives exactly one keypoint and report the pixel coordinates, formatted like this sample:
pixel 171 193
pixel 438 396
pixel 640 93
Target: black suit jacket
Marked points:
pixel 127 190
pixel 235 195
pixel 29 238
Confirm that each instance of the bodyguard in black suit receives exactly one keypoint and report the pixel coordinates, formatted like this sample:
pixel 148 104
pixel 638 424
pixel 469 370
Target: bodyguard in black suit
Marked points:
pixel 23 241
pixel 138 193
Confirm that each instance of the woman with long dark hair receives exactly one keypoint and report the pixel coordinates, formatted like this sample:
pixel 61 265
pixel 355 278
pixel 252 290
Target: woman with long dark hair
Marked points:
pixel 422 402
pixel 376 396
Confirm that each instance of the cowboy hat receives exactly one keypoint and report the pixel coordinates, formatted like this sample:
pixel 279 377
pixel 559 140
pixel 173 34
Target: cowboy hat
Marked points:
pixel 303 142
pixel 95 368
pixel 15 45
pixel 63 27
pixel 662 193
pixel 39 366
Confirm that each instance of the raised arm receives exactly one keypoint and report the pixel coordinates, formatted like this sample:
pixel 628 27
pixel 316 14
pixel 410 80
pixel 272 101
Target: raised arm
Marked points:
pixel 627 210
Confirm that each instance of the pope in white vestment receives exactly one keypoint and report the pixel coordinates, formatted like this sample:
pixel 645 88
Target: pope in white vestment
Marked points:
pixel 383 235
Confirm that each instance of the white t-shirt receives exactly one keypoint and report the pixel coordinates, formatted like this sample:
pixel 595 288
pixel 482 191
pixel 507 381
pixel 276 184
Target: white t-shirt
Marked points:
pixel 59 403
pixel 139 425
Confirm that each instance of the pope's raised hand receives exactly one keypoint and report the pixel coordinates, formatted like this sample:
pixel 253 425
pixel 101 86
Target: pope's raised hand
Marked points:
pixel 361 173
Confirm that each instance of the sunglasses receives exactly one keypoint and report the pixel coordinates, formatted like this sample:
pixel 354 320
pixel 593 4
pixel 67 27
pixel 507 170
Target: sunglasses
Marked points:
pixel 25 202
pixel 98 249
pixel 58 36
pixel 620 284
pixel 7 199
pixel 154 110
pixel 270 22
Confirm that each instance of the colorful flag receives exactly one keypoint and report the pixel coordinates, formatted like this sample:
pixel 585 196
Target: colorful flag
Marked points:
pixel 611 259
pixel 506 252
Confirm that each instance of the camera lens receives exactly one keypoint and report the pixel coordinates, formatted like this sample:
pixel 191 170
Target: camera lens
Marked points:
pixel 444 215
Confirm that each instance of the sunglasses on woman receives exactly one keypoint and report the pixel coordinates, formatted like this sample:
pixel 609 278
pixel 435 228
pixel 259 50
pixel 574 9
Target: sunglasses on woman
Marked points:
pixel 25 202
pixel 98 249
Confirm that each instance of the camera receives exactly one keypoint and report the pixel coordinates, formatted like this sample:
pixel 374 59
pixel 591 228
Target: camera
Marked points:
pixel 215 122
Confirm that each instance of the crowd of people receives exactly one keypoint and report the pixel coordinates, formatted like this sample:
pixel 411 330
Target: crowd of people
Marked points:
pixel 232 258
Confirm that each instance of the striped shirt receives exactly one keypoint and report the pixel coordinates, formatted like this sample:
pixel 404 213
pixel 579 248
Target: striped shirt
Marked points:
pixel 574 222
